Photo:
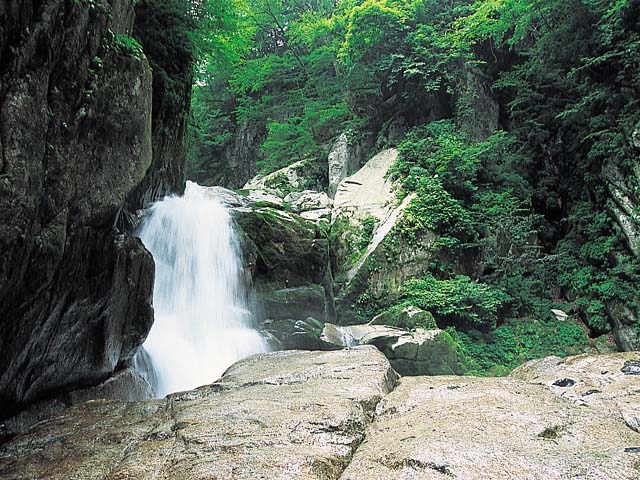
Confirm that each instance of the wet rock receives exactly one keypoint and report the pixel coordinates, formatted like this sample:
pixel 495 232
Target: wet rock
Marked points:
pixel 631 367
pixel 170 56
pixel 564 383
pixel 417 352
pixel 126 385
pixel 287 259
pixel 425 352
pixel 289 251
pixel 295 303
pixel 228 198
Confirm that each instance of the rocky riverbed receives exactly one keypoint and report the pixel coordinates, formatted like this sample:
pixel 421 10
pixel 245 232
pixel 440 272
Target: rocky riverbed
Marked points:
pixel 347 415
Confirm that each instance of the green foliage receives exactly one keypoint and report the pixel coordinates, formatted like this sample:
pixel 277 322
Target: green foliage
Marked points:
pixel 456 301
pixel 374 31
pixel 367 305
pixel 349 241
pixel 127 44
pixel 284 141
pixel 307 71
pixel 369 224
pixel 574 113
pixel 517 341
pixel 521 218
pixel 589 270
pixel 434 209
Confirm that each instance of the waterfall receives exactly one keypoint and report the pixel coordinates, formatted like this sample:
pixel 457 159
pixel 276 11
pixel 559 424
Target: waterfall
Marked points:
pixel 202 321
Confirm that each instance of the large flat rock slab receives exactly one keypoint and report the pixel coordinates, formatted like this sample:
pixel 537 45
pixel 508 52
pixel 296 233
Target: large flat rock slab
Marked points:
pixel 521 427
pixel 368 191
pixel 282 415
pixel 336 415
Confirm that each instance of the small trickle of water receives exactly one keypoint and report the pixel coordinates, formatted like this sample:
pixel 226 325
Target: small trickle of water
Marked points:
pixel 346 337
pixel 202 322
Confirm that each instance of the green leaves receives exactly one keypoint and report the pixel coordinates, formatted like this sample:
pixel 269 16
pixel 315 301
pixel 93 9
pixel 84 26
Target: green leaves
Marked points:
pixel 565 73
pixel 458 300
pixel 375 29
pixel 128 44
pixel 517 341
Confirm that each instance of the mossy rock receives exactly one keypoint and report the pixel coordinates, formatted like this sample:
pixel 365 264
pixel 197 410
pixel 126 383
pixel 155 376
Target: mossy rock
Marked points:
pixel 406 317
pixel 377 283
pixel 293 303
pixel 426 352
pixel 286 250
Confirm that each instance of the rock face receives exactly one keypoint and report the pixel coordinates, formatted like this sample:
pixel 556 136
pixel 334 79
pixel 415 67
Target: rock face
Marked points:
pixel 165 43
pixel 354 232
pixel 501 428
pixel 307 174
pixel 280 415
pixel 622 190
pixel 417 352
pixel 126 385
pixel 288 257
pixel 625 326
pixel 425 352
pixel 308 200
pixel 478 112
pixel 368 192
pixel 373 268
pixel 343 159
pixel 336 415
pixel 75 141
pixel 235 164
pixel 288 250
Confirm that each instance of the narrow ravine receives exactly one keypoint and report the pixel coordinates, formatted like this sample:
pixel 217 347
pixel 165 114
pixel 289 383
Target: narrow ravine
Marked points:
pixel 202 320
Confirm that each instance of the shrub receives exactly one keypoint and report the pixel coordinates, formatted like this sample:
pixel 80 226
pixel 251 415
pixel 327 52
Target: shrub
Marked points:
pixel 517 341
pixel 458 301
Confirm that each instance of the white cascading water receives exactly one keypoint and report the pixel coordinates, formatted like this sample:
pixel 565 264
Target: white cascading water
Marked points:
pixel 202 323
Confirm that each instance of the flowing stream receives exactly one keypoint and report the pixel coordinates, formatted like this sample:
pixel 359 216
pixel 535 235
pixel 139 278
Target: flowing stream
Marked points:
pixel 202 321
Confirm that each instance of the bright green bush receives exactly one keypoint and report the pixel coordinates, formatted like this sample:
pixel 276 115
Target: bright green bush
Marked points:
pixel 459 300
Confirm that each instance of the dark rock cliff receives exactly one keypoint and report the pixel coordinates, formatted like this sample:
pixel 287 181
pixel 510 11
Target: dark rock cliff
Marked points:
pixel 235 164
pixel 75 141
pixel 161 28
